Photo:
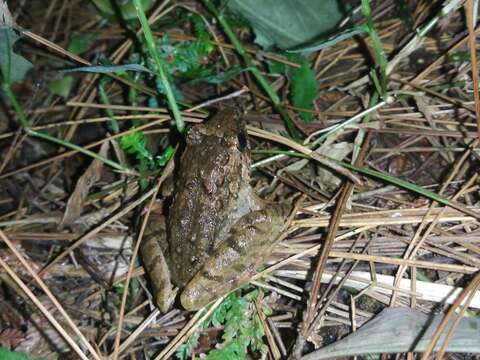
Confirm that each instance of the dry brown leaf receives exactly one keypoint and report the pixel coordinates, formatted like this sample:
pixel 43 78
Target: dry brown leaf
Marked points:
pixel 92 174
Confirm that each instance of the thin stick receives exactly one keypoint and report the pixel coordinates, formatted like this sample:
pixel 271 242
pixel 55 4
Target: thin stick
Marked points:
pixel 460 313
pixel 473 285
pixel 406 262
pixel 473 58
pixel 414 246
pixel 139 330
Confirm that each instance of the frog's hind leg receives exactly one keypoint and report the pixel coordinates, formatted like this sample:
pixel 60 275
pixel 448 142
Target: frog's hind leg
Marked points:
pixel 153 255
pixel 248 245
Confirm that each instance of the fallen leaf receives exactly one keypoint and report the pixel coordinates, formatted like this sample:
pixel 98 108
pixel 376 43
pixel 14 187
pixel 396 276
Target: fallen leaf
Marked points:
pixel 91 176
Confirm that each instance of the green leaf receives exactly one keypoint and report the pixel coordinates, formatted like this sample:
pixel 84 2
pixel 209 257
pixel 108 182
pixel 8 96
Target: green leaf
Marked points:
pixel 80 43
pixel 167 154
pixel 232 351
pixel 13 67
pixel 185 351
pixel 135 144
pixel 275 67
pixel 109 69
pixel 288 23
pixel 106 101
pixel 62 86
pixel 377 47
pixel 187 58
pixel 241 328
pixel 119 289
pixel 304 86
pixel 205 44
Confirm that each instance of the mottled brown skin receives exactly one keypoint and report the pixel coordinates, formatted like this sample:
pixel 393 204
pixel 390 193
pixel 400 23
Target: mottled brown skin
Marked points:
pixel 219 231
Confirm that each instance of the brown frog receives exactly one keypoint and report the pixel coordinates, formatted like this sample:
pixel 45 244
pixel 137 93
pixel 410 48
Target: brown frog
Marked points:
pixel 218 230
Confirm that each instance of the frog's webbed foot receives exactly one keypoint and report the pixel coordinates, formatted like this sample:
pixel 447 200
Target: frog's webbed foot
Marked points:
pixel 156 265
pixel 249 244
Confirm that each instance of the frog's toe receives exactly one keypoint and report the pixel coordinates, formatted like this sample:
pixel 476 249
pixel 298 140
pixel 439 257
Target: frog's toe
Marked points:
pixel 157 268
pixel 193 298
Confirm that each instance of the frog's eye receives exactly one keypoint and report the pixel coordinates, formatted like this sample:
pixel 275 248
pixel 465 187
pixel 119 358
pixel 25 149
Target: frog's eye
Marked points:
pixel 242 141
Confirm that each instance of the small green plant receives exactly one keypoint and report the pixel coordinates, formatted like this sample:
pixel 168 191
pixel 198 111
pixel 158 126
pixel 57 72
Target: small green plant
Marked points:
pixel 184 60
pixel 187 58
pixel 243 329
pixel 304 85
pixel 135 144
pixel 380 79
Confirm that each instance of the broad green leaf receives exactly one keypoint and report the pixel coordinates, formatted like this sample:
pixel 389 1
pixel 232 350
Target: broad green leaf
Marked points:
pixel 127 9
pixel 304 86
pixel 396 330
pixel 13 67
pixel 288 23
pixel 80 43
pixel 62 86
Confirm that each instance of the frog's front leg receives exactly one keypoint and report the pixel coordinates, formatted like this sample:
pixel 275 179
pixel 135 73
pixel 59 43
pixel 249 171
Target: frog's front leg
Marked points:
pixel 248 245
pixel 153 254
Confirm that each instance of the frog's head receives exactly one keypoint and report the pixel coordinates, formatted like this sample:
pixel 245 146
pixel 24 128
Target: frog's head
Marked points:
pixel 225 128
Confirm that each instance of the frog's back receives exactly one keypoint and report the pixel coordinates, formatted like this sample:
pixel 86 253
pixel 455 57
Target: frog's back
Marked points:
pixel 212 193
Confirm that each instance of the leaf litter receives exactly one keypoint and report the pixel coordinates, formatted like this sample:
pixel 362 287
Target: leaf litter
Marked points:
pixel 391 248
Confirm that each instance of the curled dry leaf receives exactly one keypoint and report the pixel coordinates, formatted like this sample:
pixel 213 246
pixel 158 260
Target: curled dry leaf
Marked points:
pixel 90 177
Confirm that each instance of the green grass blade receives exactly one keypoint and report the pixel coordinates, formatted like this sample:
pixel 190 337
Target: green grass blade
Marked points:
pixel 147 31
